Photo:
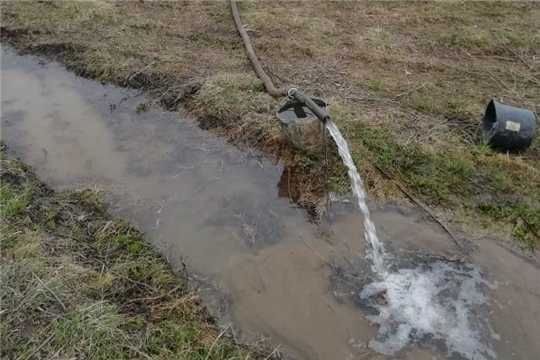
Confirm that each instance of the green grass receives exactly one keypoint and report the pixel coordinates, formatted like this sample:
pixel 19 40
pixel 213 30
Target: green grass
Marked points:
pixel 484 184
pixel 488 41
pixel 237 103
pixel 77 283
pixel 142 107
pixel 525 220
pixel 456 110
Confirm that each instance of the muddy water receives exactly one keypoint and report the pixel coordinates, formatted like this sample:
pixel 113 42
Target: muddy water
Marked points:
pixel 217 209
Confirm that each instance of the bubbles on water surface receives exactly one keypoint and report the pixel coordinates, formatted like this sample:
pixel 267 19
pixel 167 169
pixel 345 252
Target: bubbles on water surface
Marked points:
pixel 441 301
pixel 437 302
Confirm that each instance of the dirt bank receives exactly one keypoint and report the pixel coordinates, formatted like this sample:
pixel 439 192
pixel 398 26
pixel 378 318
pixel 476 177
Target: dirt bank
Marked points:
pixel 407 83
pixel 77 282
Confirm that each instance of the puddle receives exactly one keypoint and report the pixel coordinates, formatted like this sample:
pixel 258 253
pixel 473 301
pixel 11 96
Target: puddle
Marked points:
pixel 222 212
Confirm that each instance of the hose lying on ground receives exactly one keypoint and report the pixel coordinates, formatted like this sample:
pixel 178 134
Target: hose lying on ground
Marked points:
pixel 268 84
pixel 276 93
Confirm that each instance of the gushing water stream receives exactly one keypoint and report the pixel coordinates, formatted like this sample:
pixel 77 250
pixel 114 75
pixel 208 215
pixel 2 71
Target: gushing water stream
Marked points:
pixel 437 300
pixel 377 249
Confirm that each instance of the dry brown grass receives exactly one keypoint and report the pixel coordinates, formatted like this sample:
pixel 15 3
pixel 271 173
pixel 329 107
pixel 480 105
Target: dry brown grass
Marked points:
pixel 407 81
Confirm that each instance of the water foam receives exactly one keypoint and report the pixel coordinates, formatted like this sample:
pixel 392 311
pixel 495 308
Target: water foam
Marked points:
pixel 440 301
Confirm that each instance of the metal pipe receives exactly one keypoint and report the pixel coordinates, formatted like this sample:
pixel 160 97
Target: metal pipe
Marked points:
pixel 319 112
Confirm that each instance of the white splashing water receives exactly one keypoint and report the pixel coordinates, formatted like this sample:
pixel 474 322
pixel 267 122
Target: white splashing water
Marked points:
pixel 435 301
pixel 439 301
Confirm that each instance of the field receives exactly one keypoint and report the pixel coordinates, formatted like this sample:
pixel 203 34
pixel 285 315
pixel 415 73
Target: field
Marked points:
pixel 407 83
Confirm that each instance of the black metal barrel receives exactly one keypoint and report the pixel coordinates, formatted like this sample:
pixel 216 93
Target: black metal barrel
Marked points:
pixel 508 127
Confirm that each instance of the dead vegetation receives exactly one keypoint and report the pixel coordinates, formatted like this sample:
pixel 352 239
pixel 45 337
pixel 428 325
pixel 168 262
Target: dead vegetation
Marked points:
pixel 77 283
pixel 407 81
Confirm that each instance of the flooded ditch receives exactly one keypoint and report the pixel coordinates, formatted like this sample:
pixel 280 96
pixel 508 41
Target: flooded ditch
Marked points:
pixel 218 209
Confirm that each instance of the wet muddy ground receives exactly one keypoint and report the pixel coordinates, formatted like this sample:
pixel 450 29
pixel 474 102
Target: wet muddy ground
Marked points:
pixel 218 209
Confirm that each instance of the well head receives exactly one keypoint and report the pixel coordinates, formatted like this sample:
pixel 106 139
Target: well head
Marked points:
pixel 294 111
pixel 301 128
